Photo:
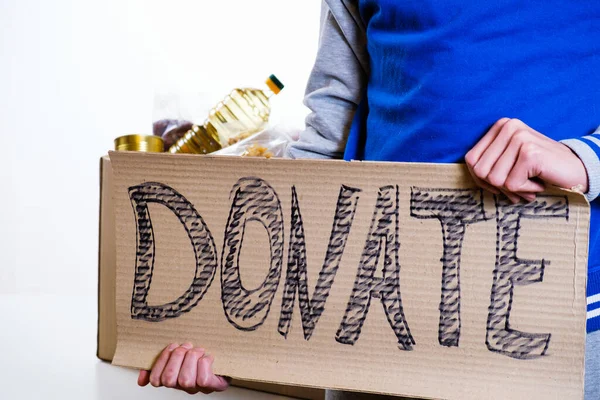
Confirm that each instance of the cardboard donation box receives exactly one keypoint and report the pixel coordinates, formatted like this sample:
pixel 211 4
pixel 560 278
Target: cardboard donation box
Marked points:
pixel 393 278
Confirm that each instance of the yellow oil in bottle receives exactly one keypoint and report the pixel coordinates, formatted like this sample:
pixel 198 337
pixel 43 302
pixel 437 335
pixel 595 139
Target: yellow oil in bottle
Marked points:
pixel 196 141
pixel 240 114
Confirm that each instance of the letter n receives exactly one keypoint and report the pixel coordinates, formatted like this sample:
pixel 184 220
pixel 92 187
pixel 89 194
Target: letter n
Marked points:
pixel 296 277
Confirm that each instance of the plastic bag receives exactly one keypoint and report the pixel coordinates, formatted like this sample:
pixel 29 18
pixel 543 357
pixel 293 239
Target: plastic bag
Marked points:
pixel 272 142
pixel 175 113
pixel 170 130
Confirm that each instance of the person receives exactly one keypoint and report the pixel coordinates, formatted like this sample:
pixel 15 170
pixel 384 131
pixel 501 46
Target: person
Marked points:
pixel 508 87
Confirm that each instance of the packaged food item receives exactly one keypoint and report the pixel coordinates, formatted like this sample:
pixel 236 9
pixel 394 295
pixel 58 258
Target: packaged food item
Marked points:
pixel 171 130
pixel 136 142
pixel 269 143
pixel 242 113
pixel 256 150
pixel 174 113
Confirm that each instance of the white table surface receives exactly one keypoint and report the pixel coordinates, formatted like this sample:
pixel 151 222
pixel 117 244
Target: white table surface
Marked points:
pixel 47 351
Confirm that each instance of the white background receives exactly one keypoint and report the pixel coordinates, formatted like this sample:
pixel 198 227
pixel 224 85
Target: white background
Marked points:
pixel 73 76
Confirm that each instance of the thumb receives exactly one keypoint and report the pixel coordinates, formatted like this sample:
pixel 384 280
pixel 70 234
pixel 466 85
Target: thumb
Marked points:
pixel 143 378
pixel 519 179
pixel 551 164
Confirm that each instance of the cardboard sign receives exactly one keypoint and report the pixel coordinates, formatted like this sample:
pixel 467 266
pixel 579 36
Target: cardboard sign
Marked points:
pixel 391 278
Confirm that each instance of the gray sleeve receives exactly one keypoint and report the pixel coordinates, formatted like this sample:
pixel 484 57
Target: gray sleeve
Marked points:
pixel 335 86
pixel 591 160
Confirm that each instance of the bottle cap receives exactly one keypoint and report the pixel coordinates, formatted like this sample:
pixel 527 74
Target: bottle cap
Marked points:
pixel 274 84
pixel 148 143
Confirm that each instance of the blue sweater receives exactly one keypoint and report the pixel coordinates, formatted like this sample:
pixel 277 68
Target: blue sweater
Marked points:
pixel 442 71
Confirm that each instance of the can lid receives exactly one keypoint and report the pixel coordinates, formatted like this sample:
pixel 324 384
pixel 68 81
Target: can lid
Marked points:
pixel 274 84
pixel 148 143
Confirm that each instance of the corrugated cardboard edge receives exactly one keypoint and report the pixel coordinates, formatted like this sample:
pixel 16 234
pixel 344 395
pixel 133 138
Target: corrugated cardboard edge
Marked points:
pixel 582 256
pixel 107 267
pixel 106 343
pixel 282 390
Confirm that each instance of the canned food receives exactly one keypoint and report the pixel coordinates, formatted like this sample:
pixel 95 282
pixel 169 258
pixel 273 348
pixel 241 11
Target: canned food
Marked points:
pixel 148 143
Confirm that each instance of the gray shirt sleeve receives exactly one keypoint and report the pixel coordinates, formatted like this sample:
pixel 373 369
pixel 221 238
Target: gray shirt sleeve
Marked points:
pixel 336 83
pixel 590 160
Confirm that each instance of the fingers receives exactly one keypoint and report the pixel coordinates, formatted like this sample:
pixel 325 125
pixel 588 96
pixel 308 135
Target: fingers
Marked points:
pixel 509 133
pixel 512 197
pixel 481 183
pixel 207 379
pixel 160 364
pixel 495 157
pixel 189 370
pixel 170 373
pixel 184 367
pixel 520 185
pixel 503 164
pixel 529 197
pixel 143 377
pixel 525 168
pixel 476 152
pixel 474 155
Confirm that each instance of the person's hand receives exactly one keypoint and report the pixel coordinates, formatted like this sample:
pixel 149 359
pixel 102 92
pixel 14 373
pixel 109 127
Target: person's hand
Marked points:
pixel 517 160
pixel 186 368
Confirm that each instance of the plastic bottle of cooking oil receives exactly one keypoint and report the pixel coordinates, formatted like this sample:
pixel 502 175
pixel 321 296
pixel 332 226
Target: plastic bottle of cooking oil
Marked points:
pixel 240 114
pixel 196 141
